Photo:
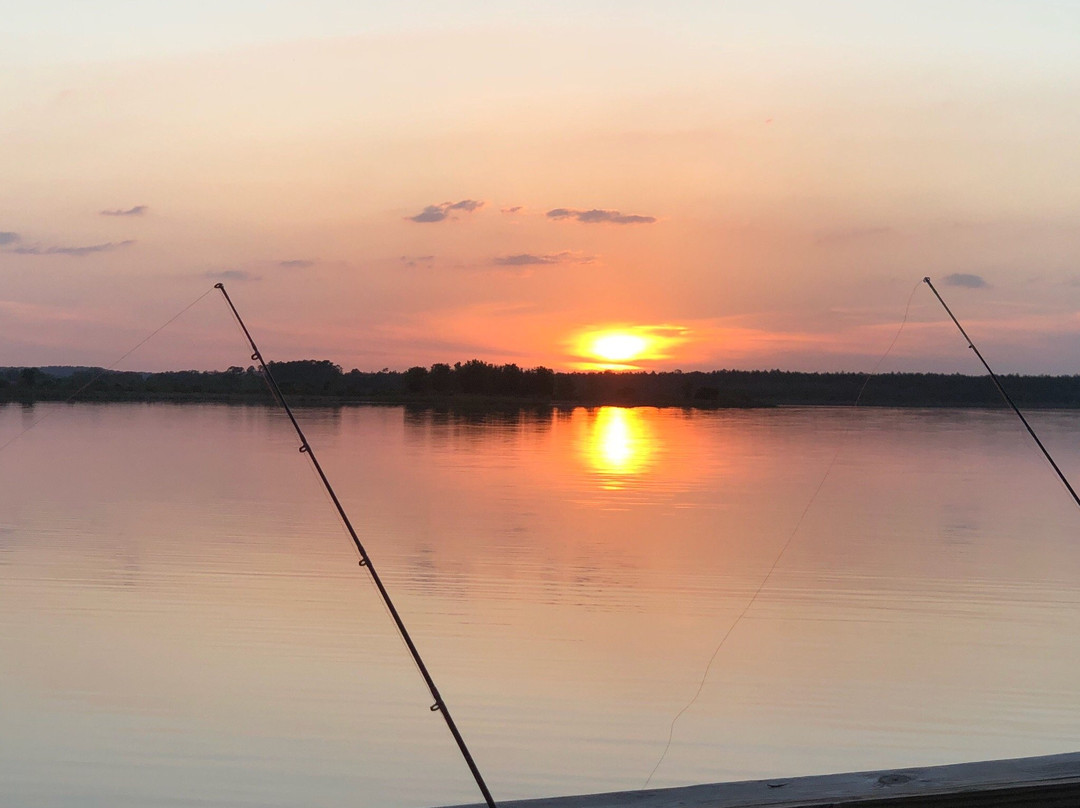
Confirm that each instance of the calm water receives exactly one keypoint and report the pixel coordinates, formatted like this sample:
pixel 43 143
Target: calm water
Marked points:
pixel 182 620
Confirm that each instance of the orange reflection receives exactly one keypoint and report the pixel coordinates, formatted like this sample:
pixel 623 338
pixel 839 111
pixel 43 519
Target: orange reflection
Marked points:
pixel 619 444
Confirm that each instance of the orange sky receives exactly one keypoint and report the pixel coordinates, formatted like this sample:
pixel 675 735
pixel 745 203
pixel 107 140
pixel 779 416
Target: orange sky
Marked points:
pixel 760 185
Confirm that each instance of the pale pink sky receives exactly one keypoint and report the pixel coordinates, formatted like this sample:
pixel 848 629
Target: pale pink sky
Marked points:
pixel 761 182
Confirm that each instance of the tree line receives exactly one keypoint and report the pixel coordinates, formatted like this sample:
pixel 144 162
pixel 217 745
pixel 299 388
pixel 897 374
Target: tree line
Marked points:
pixel 482 383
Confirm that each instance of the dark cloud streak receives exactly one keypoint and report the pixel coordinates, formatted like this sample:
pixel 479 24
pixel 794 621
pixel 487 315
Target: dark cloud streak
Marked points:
pixel 231 275
pixel 77 252
pixel 138 210
pixel 432 213
pixel 599 216
pixel 966 280
pixel 438 213
pixel 530 259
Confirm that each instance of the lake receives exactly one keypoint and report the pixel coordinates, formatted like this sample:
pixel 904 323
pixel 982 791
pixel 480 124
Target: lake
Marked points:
pixel 183 621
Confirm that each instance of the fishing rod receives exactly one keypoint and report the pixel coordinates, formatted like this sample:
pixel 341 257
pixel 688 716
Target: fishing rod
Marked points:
pixel 1004 395
pixel 365 560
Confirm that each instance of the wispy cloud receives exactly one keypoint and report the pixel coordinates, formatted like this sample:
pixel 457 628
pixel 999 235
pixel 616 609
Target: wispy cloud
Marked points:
pixel 77 252
pixel 598 216
pixel 967 280
pixel 232 275
pixel 296 263
pixel 8 238
pixel 514 209
pixel 438 213
pixel 417 260
pixel 531 259
pixel 138 210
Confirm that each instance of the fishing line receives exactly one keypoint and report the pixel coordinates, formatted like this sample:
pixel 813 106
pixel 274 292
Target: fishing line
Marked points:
pixel 783 550
pixel 111 367
pixel 316 474
pixel 1004 395
pixel 365 560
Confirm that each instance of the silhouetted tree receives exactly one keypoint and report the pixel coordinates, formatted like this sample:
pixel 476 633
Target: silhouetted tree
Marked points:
pixel 474 377
pixel 565 387
pixel 442 379
pixel 416 380
pixel 306 375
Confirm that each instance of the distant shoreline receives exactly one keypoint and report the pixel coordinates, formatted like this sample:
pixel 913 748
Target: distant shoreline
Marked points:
pixel 494 405
pixel 476 385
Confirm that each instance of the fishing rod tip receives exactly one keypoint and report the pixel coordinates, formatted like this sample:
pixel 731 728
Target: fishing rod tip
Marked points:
pixel 924 280
pixel 219 286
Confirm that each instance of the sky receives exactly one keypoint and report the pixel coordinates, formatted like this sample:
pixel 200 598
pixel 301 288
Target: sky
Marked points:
pixel 757 184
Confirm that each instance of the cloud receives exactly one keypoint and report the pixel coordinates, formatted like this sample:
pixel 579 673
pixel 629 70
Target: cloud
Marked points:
pixel 8 238
pixel 966 280
pixel 417 260
pixel 437 213
pixel 468 205
pixel 231 275
pixel 515 209
pixel 530 259
pixel 78 252
pixel 598 216
pixel 432 213
pixel 296 263
pixel 138 210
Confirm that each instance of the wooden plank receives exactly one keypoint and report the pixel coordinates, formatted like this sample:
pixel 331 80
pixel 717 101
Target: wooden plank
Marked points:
pixel 1047 782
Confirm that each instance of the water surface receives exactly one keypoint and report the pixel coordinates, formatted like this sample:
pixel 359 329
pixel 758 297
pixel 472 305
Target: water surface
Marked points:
pixel 183 622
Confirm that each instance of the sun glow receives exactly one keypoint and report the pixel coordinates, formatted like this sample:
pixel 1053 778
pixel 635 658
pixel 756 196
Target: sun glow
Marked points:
pixel 625 347
pixel 616 347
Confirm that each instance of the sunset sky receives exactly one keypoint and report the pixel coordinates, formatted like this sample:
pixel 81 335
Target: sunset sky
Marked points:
pixel 751 184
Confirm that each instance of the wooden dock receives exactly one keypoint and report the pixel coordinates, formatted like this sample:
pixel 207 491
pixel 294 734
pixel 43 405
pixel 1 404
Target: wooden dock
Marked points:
pixel 1051 781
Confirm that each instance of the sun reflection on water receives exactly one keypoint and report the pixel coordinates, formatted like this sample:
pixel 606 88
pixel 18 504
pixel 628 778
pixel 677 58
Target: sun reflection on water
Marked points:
pixel 619 445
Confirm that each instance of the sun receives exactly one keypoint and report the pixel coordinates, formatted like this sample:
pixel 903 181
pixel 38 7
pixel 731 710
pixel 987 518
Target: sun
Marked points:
pixel 625 346
pixel 615 346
